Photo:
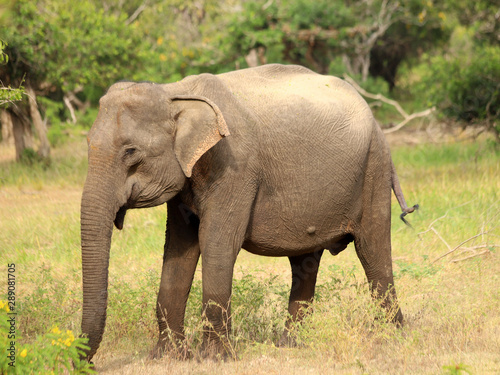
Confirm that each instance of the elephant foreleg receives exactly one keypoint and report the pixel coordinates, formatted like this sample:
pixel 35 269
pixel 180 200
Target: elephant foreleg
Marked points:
pixel 181 256
pixel 304 275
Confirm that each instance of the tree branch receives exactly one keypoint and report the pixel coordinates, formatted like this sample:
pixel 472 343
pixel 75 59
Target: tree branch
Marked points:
pixel 458 247
pixel 471 256
pixel 68 104
pixel 395 104
pixel 136 14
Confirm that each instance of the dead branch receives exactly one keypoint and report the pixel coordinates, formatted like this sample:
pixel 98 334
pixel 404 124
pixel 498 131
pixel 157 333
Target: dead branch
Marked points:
pixel 430 227
pixel 458 247
pixel 395 104
pixel 474 249
pixel 441 238
pixel 471 256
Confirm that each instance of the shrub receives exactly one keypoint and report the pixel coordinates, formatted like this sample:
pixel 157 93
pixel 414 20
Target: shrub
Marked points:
pixel 467 90
pixel 55 352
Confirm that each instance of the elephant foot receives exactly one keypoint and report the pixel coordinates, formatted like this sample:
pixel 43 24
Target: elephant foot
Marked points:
pixel 392 314
pixel 398 319
pixel 217 350
pixel 179 351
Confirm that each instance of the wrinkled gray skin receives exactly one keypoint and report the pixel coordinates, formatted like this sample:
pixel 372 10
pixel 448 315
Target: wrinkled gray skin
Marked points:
pixel 276 160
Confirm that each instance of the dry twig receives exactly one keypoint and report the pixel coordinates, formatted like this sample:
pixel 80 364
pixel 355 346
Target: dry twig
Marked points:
pixel 458 247
pixel 395 104
pixel 470 256
pixel 472 249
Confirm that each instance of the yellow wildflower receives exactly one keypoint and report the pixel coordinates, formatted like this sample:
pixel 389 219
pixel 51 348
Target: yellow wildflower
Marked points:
pixel 70 338
pixel 442 15
pixel 56 330
pixel 163 57
pixel 4 306
pixel 421 16
pixel 159 41
pixel 23 353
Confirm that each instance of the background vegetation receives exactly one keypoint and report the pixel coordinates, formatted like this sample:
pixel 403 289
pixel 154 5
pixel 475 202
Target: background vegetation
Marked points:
pixel 57 58
pixel 425 53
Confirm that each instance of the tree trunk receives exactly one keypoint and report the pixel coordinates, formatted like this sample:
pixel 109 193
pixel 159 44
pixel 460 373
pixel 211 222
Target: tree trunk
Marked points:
pixel 7 131
pixel 23 138
pixel 252 58
pixel 40 128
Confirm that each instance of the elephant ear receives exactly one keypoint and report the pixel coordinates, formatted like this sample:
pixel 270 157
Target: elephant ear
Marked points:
pixel 199 126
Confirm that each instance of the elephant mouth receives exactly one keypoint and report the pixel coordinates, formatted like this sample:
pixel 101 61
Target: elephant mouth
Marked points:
pixel 130 203
pixel 120 217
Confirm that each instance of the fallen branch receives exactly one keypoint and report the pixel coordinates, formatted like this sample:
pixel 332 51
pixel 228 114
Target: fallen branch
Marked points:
pixel 470 256
pixel 458 247
pixel 431 226
pixel 395 104
pixel 441 238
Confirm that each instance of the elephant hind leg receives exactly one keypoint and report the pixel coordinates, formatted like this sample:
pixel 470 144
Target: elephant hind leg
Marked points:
pixel 372 234
pixel 304 275
pixel 377 263
pixel 372 241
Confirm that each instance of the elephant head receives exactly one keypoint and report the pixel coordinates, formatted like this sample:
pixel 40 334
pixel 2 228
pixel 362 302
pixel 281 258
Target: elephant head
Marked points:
pixel 142 149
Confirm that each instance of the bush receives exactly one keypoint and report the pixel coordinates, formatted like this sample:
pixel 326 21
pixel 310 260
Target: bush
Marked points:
pixel 55 352
pixel 466 89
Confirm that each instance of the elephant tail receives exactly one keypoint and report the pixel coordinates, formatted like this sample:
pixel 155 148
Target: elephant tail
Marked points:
pixel 400 197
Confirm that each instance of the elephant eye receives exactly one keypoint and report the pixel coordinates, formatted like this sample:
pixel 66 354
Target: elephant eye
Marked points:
pixel 130 151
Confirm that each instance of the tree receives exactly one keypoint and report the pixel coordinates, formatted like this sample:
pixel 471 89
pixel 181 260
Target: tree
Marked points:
pixel 463 80
pixel 8 95
pixel 61 49
pixel 355 34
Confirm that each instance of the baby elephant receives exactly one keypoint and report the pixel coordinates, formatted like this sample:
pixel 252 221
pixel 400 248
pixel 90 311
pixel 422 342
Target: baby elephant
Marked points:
pixel 277 160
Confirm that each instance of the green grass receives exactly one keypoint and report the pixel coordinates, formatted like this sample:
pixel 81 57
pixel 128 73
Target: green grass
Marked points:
pixel 451 306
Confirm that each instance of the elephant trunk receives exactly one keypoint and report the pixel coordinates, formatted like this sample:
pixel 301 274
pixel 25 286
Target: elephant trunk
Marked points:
pixel 98 210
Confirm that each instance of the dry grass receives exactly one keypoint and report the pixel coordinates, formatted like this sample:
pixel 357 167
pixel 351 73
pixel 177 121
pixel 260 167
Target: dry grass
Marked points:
pixel 452 309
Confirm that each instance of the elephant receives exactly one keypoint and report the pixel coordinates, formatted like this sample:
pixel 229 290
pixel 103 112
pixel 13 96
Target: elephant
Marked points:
pixel 276 160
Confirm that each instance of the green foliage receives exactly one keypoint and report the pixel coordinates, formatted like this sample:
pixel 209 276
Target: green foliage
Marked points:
pixel 70 44
pixel 55 351
pixel 258 317
pixel 254 27
pixel 456 369
pixel 466 88
pixel 415 270
pixel 48 291
pixel 315 33
pixel 86 46
pixel 30 157
pixel 8 94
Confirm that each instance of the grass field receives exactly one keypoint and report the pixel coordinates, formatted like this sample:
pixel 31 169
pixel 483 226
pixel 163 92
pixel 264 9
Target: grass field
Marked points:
pixel 451 303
